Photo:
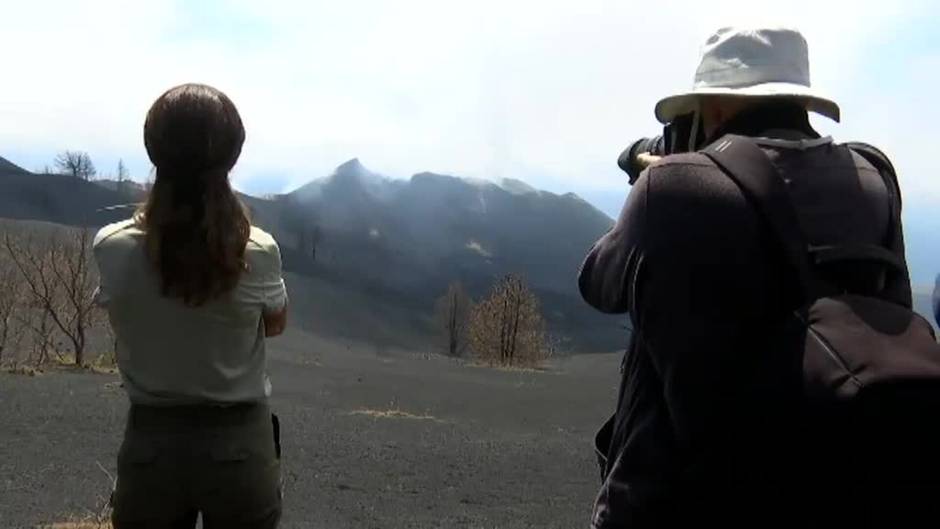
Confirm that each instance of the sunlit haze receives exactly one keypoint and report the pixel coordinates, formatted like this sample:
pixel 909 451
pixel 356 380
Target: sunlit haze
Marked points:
pixel 543 91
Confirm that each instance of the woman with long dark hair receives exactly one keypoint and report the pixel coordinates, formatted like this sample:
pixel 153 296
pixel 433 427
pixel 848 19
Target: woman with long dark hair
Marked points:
pixel 192 290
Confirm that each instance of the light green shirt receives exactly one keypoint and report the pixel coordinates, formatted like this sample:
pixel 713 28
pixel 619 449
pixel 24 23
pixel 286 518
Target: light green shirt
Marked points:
pixel 170 354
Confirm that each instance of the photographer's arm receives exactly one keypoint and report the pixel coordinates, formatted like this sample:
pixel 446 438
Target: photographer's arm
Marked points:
pixel 615 259
pixel 703 301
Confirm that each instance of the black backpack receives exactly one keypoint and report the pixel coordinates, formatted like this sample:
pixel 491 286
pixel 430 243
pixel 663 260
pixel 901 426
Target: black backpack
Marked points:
pixel 855 382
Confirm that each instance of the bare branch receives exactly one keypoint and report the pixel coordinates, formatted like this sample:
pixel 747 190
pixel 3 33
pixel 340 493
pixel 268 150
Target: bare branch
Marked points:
pixel 11 332
pixel 60 281
pixel 75 163
pixel 507 327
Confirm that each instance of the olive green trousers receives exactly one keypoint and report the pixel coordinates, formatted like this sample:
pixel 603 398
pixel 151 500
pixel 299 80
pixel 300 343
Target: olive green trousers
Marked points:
pixel 178 462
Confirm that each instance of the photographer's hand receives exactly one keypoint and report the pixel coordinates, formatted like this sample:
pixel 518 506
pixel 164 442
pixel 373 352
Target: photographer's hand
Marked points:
pixel 646 159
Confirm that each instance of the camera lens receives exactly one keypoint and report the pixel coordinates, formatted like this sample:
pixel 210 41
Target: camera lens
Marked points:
pixel 627 161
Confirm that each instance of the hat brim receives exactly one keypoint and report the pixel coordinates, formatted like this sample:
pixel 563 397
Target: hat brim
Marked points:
pixel 668 108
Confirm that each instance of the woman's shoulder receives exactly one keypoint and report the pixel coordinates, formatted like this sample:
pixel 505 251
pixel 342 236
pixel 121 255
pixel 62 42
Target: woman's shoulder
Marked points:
pixel 119 231
pixel 261 252
pixel 259 239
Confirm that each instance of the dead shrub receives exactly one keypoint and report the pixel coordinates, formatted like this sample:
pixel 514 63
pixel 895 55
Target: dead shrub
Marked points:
pixel 507 327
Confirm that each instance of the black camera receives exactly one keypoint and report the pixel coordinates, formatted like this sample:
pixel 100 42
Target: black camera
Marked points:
pixel 677 137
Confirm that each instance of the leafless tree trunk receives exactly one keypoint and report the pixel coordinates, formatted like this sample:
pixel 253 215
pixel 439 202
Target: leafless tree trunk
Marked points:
pixel 40 327
pixel 122 176
pixel 75 163
pixel 507 327
pixel 453 313
pixel 110 357
pixel 60 279
pixel 304 227
pixel 10 303
pixel 555 344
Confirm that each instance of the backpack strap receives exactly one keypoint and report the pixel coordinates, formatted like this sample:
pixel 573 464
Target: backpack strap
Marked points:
pixel 822 255
pixel 750 168
pixel 885 168
pixel 898 284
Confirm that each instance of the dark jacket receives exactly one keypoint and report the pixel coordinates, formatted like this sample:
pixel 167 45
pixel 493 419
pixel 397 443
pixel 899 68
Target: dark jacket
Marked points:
pixel 697 269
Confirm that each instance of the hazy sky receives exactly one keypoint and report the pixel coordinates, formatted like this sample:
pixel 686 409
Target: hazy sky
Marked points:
pixel 545 91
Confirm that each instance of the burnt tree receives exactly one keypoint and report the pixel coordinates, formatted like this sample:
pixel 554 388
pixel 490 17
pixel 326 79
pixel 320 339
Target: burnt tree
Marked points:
pixel 60 279
pixel 453 314
pixel 507 327
pixel 75 163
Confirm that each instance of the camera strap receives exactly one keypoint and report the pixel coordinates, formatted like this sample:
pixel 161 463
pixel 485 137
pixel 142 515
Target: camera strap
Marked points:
pixel 696 123
pixel 749 167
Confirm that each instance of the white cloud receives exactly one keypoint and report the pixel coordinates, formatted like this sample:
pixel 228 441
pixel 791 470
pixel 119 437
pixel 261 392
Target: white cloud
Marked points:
pixel 543 90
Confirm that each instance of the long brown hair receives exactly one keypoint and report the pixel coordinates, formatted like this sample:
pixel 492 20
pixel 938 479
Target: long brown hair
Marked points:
pixel 195 226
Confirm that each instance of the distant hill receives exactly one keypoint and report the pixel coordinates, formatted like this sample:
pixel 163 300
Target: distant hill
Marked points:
pixel 133 189
pixel 57 198
pixel 8 167
pixel 366 256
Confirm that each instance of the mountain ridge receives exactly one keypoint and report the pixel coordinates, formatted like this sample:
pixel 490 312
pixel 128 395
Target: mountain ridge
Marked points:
pixel 366 256
pixel 353 169
pixel 6 166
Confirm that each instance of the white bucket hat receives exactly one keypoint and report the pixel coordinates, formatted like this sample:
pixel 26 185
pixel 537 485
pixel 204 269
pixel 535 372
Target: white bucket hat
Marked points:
pixel 751 63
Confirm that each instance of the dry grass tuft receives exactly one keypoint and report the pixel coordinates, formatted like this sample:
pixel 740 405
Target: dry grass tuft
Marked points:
pixel 102 370
pixel 77 525
pixel 511 369
pixel 24 370
pixel 394 414
pixel 103 364
pixel 62 363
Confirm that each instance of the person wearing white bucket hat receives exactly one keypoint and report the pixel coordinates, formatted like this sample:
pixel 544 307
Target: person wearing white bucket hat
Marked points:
pixel 751 63
pixel 700 260
pixel 737 66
